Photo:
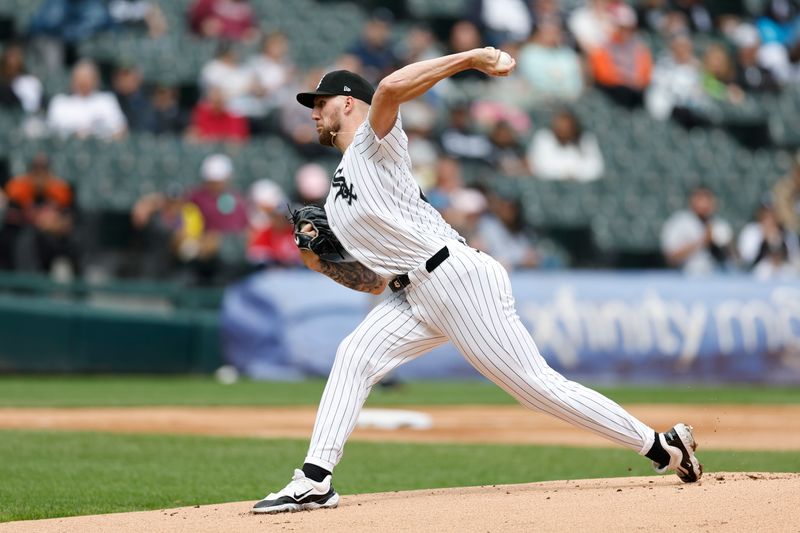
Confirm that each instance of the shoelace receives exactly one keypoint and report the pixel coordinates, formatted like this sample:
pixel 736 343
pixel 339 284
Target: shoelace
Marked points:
pixel 300 483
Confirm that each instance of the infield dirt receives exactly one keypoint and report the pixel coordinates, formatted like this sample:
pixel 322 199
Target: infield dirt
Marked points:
pixel 767 427
pixel 719 502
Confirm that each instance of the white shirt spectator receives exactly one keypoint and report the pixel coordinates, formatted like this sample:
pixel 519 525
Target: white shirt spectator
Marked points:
pixel 270 74
pixel 591 25
pixel 674 84
pixel 236 83
pixel 751 240
pixel 551 160
pixel 508 16
pixel 29 91
pixel 676 81
pixel 513 250
pixel 684 227
pixel 96 114
pixel 234 80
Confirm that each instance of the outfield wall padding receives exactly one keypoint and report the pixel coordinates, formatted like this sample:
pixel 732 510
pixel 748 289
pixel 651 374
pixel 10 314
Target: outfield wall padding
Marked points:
pixel 48 335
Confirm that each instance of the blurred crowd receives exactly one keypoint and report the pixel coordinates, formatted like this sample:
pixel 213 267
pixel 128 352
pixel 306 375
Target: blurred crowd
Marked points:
pixel 717 53
pixel 700 242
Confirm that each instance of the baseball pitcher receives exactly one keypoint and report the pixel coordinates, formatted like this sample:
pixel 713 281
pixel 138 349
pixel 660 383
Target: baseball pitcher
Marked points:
pixel 377 229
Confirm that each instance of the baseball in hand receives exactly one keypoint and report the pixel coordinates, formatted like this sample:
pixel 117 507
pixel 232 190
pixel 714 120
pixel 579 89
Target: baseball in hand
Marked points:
pixel 504 62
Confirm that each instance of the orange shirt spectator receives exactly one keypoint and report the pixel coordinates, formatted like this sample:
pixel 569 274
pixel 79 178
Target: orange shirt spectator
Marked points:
pixel 33 193
pixel 622 67
pixel 631 67
pixel 37 227
pixel 25 193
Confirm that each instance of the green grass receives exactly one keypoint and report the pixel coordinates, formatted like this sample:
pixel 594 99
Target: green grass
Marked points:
pixel 142 391
pixel 50 474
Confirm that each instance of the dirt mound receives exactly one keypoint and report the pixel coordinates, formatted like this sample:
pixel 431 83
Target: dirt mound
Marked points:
pixel 720 502
pixel 741 427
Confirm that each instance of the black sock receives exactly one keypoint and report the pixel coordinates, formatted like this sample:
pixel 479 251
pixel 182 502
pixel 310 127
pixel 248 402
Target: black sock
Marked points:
pixel 314 472
pixel 657 453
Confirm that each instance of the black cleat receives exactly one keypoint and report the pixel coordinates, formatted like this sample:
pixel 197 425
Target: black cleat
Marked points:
pixel 680 444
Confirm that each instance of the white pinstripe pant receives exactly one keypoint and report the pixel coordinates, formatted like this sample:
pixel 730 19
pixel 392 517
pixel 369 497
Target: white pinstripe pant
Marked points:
pixel 468 301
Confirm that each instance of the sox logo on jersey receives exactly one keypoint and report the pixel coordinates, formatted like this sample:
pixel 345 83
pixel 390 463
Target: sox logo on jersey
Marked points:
pixel 345 192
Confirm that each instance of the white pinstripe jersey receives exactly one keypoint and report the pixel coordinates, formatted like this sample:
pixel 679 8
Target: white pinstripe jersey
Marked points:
pixel 376 208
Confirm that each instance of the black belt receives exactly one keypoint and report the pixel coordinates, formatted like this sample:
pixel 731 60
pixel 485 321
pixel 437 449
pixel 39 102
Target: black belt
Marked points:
pixel 401 282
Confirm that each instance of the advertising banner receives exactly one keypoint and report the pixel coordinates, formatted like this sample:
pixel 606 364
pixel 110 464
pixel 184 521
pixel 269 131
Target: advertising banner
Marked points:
pixel 620 326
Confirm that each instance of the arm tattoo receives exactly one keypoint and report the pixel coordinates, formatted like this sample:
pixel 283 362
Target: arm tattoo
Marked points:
pixel 352 275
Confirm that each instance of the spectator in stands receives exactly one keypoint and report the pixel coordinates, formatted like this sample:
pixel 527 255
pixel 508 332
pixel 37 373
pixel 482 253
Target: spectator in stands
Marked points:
pixel 8 98
pixel 272 69
pixel 549 12
pixel 552 69
pixel 719 76
pixel 495 106
pixel 232 20
pixel 58 26
pixel 565 152
pixel 654 15
pixel 779 33
pixel 239 85
pixel 459 139
pixel 464 213
pixel 311 184
pixel 225 221
pixel 39 221
pixel 464 36
pixel 786 197
pixel 508 154
pixel 87 111
pixel 18 89
pixel 419 121
pixel 169 232
pixel 697 240
pixel 212 122
pixel 591 24
pixel 374 47
pixel 166 115
pixel 622 66
pixel 448 182
pixel 697 15
pixel 138 14
pixel 222 207
pixel 271 241
pixel 676 90
pixel 750 75
pixel 779 21
pixel 501 234
pixel 768 249
pixel 419 44
pixel 501 21
pixel 131 96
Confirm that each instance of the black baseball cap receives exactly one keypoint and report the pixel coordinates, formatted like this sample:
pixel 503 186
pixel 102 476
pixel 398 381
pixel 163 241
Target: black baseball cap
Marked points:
pixel 336 83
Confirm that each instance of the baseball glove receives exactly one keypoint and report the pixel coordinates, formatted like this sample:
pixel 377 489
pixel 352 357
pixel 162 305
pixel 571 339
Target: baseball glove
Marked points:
pixel 321 239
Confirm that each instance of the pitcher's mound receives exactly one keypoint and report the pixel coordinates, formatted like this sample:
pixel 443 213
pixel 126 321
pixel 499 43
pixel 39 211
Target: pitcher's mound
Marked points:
pixel 720 502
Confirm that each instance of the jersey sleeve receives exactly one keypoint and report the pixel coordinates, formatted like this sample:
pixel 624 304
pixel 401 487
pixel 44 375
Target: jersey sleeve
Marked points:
pixel 394 146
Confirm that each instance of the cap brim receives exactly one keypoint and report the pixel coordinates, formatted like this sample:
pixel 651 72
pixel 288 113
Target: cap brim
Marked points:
pixel 307 99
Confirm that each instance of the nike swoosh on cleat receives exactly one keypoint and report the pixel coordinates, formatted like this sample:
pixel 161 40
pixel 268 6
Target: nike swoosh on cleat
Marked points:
pixel 298 496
